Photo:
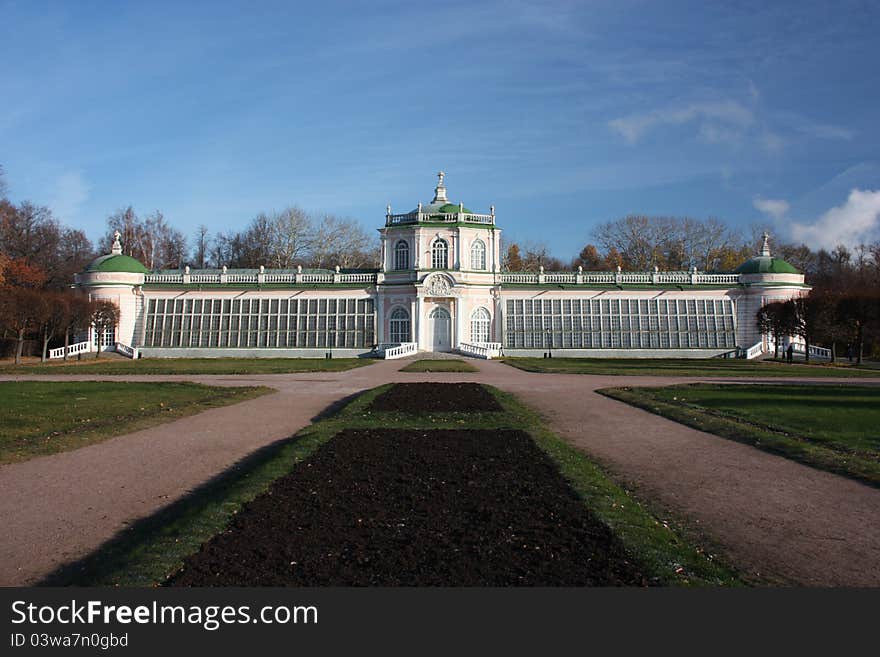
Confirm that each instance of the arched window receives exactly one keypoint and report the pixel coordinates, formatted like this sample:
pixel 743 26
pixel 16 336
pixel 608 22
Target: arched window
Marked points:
pixel 439 254
pixel 401 255
pixel 480 325
pixel 399 326
pixel 478 255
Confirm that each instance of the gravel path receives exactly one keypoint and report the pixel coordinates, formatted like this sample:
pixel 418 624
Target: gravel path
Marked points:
pixel 771 516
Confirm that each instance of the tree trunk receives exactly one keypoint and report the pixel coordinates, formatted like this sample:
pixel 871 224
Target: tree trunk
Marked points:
pixel 66 341
pixel 45 346
pixel 859 339
pixel 806 349
pixel 19 347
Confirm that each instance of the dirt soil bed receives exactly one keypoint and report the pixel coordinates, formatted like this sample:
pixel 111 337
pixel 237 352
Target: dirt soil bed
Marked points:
pixel 436 398
pixel 416 508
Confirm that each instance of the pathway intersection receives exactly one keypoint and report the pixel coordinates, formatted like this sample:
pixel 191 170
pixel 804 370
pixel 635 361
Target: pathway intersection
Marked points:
pixel 770 516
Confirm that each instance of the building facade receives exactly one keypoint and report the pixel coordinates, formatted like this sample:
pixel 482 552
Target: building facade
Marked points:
pixel 439 288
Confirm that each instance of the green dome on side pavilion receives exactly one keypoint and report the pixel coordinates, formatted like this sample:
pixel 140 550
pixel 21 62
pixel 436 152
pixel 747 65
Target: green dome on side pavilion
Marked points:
pixel 764 263
pixel 117 262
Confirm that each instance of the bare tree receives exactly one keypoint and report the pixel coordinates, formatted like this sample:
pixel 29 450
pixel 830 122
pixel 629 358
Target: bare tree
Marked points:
pixel 201 247
pixel 342 242
pixel 289 236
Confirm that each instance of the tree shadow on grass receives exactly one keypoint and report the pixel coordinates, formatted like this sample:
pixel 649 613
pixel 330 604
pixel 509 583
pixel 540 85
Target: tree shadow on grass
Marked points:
pixel 114 554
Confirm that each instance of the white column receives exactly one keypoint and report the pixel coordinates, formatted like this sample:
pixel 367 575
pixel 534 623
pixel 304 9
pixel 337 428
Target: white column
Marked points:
pixel 415 325
pixel 453 323
pixel 380 318
pixel 417 254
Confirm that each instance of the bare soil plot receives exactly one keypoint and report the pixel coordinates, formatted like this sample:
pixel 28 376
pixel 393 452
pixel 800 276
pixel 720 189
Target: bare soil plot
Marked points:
pixel 436 398
pixel 416 507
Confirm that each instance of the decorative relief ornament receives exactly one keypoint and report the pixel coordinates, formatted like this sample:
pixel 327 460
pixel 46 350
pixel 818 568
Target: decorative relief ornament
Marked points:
pixel 438 286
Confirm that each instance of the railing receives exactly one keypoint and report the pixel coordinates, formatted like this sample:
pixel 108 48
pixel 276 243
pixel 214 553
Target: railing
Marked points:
pixel 487 350
pixel 620 278
pixel 163 278
pixel 444 217
pixel 76 348
pixel 819 352
pixel 204 278
pixel 125 350
pixel 755 350
pixel 398 350
pixel 266 277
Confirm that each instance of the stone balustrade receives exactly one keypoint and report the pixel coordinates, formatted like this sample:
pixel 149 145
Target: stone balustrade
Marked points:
pixel 72 349
pixel 450 217
pixel 266 276
pixel 619 278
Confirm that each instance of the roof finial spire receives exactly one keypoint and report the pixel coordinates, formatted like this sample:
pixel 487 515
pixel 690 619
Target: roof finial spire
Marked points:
pixel 765 244
pixel 440 189
pixel 116 249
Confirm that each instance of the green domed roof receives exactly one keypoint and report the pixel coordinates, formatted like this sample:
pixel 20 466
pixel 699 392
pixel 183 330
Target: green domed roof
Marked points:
pixel 766 265
pixel 117 262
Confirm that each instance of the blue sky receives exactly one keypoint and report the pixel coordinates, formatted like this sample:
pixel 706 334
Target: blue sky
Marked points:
pixel 561 114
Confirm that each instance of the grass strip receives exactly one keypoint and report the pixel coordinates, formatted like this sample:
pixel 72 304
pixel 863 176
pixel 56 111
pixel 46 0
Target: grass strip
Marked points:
pixel 683 367
pixel 46 417
pixel 447 365
pixel 149 551
pixel 849 454
pixel 190 366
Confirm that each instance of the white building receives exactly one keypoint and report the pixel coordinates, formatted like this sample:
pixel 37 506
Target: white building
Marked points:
pixel 439 288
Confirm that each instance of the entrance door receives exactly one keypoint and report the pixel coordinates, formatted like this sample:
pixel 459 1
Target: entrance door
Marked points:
pixel 439 322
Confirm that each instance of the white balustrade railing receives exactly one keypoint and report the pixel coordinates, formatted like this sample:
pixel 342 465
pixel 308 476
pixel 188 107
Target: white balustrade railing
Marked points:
pixel 487 350
pixel 398 350
pixel 279 278
pixel 357 278
pixel 755 350
pixel 204 278
pixel 317 278
pixel 560 278
pixel 717 279
pixel 265 277
pixel 635 278
pixel 443 217
pixel 474 350
pixel 519 277
pixel 620 278
pixel 125 350
pixel 76 348
pixel 163 278
pixel 819 352
pixel 597 277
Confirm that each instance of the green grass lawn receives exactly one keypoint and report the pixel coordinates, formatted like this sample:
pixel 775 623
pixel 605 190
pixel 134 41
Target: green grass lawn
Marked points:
pixel 150 550
pixel 681 367
pixel 44 417
pixel 190 366
pixel 448 365
pixel 832 427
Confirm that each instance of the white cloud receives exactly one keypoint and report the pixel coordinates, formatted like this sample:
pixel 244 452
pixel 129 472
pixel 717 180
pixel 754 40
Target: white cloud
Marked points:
pixel 776 208
pixel 855 222
pixel 730 114
pixel 71 191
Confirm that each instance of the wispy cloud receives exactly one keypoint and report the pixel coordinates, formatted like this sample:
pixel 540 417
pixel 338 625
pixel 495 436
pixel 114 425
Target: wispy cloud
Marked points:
pixel 71 191
pixel 805 126
pixel 718 120
pixel 776 208
pixel 856 221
